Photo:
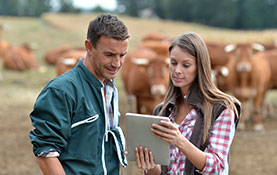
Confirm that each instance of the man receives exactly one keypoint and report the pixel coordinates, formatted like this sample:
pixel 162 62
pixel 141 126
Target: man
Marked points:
pixel 76 116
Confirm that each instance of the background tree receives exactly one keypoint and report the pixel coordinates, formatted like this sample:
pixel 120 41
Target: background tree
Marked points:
pixel 270 13
pixel 134 7
pixel 237 14
pixel 35 7
pixel 257 14
pixel 24 7
pixel 158 7
pixel 98 9
pixel 9 7
pixel 179 10
pixel 66 6
pixel 221 13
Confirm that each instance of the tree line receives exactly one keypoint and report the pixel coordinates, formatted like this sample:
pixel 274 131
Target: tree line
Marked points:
pixel 235 14
pixel 35 7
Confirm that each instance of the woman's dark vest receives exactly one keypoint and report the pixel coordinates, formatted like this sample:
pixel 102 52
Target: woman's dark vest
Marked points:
pixel 195 99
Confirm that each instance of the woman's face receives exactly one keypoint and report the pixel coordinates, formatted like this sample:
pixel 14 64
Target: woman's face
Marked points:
pixel 182 68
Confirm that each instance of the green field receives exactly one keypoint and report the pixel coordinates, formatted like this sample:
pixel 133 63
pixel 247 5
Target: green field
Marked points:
pixel 19 89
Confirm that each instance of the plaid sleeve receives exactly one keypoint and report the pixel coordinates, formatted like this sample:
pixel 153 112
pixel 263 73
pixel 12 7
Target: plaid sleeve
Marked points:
pixel 220 141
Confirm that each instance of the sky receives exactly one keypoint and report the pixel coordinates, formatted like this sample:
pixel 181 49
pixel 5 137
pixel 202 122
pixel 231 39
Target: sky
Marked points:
pixel 105 4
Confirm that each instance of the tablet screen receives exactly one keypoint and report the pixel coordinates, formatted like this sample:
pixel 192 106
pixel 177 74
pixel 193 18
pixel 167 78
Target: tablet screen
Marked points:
pixel 138 133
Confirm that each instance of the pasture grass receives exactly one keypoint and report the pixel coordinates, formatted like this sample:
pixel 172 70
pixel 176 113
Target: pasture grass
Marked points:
pixel 19 89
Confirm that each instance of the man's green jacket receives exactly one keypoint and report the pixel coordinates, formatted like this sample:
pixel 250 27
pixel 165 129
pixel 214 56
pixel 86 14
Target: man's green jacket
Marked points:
pixel 69 117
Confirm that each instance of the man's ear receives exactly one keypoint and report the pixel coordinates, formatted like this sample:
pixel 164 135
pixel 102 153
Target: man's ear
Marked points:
pixel 88 46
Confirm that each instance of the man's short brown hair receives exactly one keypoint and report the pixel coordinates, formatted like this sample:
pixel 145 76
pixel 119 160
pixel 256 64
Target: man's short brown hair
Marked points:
pixel 107 25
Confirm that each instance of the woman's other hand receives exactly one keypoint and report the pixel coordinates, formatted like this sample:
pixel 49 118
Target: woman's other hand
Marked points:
pixel 126 153
pixel 144 158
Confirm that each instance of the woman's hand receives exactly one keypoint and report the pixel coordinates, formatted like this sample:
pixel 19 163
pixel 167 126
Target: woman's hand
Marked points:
pixel 168 132
pixel 126 153
pixel 144 158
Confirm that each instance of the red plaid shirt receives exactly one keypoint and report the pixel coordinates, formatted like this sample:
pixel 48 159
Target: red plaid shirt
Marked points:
pixel 220 140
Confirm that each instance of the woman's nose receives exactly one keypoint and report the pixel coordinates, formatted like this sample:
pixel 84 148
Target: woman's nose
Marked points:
pixel 178 69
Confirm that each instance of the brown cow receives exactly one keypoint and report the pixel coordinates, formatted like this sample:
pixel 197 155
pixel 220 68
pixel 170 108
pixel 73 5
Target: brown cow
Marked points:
pixel 271 55
pixel 145 76
pixel 1 59
pixel 156 37
pixel 52 56
pixel 68 60
pixel 4 45
pixel 249 77
pixel 19 57
pixel 218 56
pixel 219 59
pixel 270 45
pixel 160 47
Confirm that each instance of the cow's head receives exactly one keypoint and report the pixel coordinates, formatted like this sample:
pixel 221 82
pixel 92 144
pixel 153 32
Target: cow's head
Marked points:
pixel 243 53
pixel 157 73
pixel 241 57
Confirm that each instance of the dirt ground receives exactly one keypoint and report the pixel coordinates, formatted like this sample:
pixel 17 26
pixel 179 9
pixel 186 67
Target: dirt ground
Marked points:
pixel 251 152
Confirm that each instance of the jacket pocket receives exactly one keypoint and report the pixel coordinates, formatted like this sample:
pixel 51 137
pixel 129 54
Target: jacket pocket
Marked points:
pixel 88 120
pixel 84 140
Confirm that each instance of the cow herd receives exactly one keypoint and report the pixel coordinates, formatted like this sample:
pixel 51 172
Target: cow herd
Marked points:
pixel 22 57
pixel 64 57
pixel 244 69
pixel 248 74
pixel 18 58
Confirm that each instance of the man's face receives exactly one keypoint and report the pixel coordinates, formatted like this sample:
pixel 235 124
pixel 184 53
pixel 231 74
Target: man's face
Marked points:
pixel 106 59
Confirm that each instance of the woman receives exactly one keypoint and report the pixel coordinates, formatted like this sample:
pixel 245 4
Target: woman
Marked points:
pixel 203 119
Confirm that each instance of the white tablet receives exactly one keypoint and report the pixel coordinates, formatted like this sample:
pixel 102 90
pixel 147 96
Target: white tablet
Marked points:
pixel 138 133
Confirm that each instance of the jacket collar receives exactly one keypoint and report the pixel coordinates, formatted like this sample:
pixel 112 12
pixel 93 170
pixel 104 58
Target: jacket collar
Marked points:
pixel 89 77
